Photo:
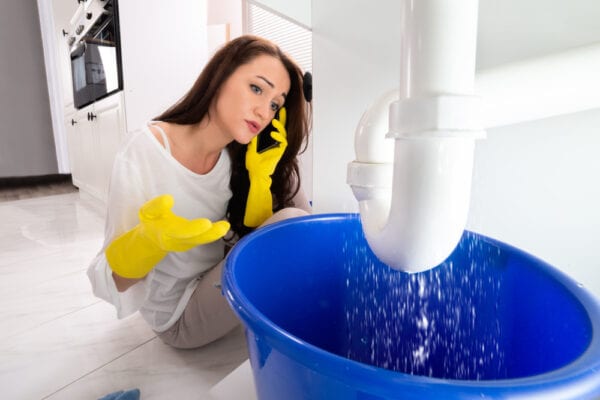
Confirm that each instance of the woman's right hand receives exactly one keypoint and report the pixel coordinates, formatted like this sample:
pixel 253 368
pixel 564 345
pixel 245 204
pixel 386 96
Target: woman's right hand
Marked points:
pixel 160 231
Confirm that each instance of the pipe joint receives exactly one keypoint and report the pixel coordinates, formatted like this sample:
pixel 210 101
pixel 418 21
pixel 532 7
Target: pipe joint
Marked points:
pixel 370 180
pixel 436 116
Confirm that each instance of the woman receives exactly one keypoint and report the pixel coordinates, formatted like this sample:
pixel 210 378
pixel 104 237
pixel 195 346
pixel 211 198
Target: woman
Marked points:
pixel 176 181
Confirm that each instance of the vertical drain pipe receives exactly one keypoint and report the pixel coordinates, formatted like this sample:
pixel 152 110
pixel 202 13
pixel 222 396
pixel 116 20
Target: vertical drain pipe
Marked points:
pixel 414 211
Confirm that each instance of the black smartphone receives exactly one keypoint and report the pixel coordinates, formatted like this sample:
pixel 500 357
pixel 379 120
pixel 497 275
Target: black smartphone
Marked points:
pixel 265 141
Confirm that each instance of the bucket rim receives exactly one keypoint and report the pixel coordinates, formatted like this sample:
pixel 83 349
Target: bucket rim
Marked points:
pixel 582 373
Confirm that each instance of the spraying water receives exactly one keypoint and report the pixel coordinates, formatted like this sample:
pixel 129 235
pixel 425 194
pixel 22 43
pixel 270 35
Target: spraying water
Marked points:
pixel 425 323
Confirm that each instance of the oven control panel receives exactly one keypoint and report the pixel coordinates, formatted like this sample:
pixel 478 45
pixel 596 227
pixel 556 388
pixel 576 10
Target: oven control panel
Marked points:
pixel 89 14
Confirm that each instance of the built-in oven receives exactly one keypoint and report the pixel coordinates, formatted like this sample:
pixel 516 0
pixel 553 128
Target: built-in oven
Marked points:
pixel 95 52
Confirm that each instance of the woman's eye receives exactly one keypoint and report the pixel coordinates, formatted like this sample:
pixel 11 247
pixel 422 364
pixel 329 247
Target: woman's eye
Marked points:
pixel 274 107
pixel 256 89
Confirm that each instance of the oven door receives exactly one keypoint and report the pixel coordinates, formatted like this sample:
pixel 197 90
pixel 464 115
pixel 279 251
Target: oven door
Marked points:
pixel 94 71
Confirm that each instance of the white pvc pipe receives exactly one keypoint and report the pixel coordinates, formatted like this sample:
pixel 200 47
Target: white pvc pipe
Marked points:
pixel 437 47
pixel 415 223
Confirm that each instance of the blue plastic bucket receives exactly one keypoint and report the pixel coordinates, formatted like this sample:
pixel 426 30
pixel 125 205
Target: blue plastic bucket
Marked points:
pixel 326 320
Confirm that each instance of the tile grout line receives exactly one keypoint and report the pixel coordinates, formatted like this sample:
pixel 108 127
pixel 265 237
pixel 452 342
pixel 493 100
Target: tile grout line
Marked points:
pixel 50 320
pixel 98 368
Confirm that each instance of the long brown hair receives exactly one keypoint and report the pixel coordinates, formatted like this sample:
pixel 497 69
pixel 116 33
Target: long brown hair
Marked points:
pixel 195 105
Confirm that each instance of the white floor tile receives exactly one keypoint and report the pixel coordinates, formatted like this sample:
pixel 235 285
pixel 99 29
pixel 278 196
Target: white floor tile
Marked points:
pixel 43 360
pixel 162 372
pixel 237 385
pixel 25 309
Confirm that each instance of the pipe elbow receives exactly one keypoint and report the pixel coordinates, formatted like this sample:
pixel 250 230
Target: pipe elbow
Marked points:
pixel 424 220
pixel 370 143
pixel 413 204
pixel 414 207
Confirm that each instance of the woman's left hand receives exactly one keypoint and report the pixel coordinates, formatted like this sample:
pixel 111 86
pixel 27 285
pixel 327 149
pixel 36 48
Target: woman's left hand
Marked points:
pixel 263 164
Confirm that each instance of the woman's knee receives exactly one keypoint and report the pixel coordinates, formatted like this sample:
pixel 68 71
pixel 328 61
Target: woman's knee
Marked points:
pixel 286 213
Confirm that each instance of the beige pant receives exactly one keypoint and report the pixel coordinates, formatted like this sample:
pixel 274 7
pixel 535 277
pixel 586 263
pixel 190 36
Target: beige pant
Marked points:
pixel 207 315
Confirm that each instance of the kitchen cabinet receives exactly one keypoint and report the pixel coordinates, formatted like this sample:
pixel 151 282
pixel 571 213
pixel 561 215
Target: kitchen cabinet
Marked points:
pixel 163 49
pixel 93 137
pixel 63 11
pixel 74 127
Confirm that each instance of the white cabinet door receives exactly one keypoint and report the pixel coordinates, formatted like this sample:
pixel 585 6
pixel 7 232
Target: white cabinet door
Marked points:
pixel 74 147
pixel 94 134
pixel 63 11
pixel 82 151
pixel 64 61
pixel 81 143
pixel 108 130
pixel 89 155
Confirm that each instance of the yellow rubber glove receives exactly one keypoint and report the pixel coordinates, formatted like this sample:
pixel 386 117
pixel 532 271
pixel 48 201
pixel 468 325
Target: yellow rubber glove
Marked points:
pixel 261 166
pixel 136 252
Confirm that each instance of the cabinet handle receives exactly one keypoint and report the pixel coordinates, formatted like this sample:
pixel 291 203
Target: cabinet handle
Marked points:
pixel 65 33
pixel 73 122
pixel 91 116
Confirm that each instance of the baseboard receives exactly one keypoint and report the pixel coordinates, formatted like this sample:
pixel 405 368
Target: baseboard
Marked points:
pixel 20 181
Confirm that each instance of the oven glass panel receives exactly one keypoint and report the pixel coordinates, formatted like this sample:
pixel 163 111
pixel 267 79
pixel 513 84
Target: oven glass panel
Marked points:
pixel 95 60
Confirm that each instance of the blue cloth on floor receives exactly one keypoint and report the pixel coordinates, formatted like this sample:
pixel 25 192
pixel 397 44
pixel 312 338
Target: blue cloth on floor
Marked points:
pixel 132 394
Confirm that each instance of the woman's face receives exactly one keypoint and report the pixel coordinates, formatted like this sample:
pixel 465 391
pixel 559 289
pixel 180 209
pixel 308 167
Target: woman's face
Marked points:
pixel 249 98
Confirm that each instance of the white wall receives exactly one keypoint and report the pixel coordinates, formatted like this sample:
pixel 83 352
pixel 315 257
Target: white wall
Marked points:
pixel 535 183
pixel 163 52
pixel 353 63
pixel 536 186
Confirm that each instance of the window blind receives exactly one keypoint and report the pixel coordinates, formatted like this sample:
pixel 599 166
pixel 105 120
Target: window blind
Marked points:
pixel 292 38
